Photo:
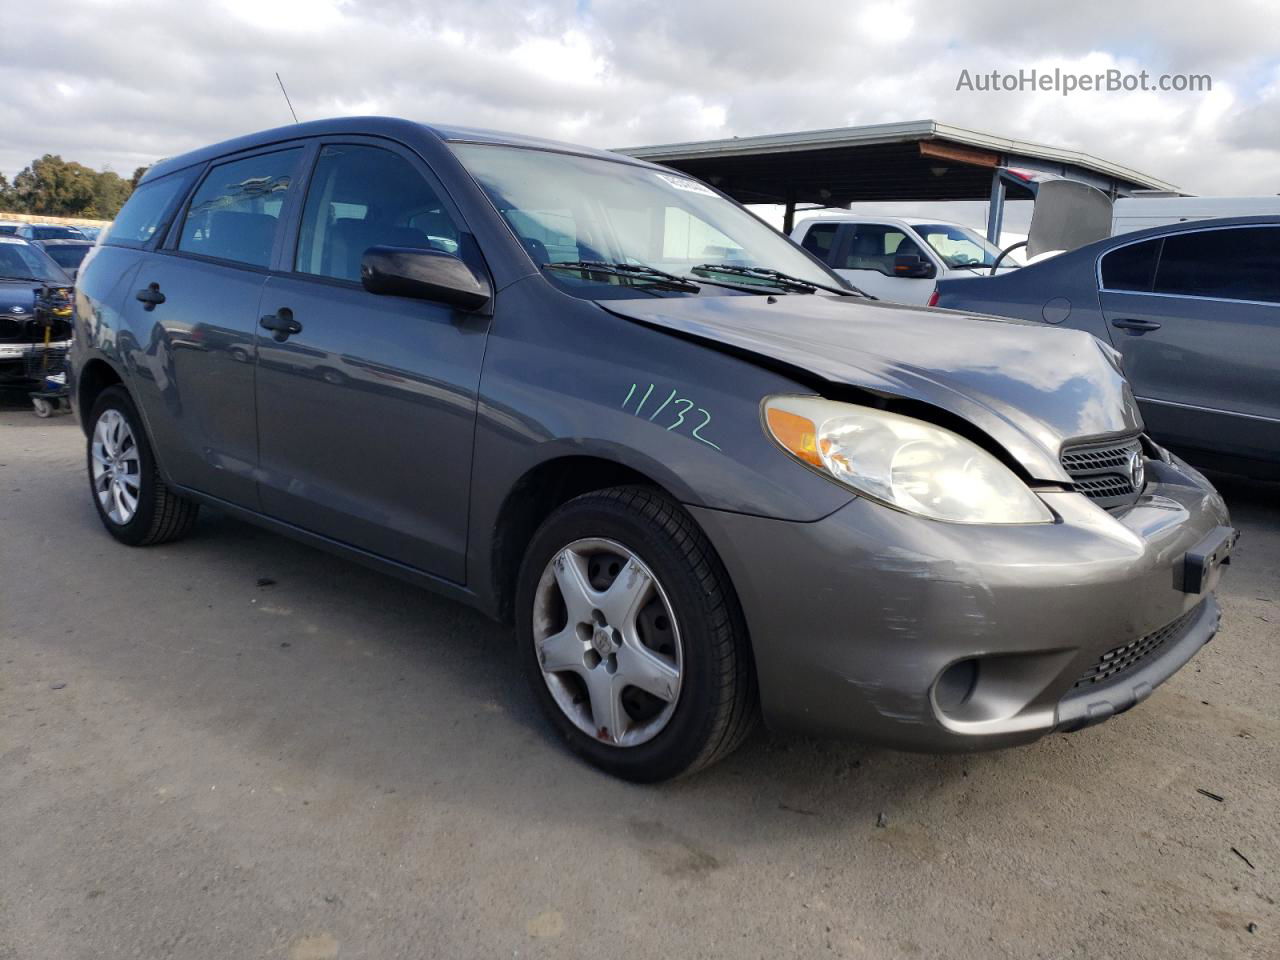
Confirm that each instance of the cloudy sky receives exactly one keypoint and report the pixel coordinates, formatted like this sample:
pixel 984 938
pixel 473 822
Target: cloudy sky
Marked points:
pixel 122 84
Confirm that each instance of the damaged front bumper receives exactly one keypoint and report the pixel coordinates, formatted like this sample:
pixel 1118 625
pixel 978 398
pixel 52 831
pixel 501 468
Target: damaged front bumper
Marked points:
pixel 890 628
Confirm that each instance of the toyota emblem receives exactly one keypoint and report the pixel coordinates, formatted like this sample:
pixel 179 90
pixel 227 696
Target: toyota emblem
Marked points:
pixel 1137 470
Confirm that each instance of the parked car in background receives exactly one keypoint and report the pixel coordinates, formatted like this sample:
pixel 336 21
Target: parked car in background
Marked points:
pixel 1195 310
pixel 9 228
pixel 90 233
pixel 897 258
pixel 35 296
pixel 49 231
pixel 68 254
pixel 506 369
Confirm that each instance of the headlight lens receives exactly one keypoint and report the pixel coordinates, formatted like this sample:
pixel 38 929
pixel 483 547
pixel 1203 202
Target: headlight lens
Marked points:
pixel 902 462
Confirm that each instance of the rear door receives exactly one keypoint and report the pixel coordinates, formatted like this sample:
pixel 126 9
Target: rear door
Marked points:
pixel 1197 316
pixel 366 414
pixel 194 304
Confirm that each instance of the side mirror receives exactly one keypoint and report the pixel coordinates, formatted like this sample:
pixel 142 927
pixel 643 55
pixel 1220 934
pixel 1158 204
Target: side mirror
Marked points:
pixel 912 266
pixel 423 274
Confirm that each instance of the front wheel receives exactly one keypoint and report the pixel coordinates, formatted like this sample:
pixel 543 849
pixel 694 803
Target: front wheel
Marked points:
pixel 134 503
pixel 632 636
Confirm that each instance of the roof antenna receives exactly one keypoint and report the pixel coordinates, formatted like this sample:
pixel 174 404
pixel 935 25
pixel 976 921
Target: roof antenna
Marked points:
pixel 286 97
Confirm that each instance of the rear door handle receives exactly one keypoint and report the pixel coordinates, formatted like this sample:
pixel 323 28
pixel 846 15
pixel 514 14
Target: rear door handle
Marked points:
pixel 150 296
pixel 1137 326
pixel 281 323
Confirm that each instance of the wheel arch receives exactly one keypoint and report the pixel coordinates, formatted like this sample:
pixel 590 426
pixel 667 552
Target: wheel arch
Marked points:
pixel 541 490
pixel 96 376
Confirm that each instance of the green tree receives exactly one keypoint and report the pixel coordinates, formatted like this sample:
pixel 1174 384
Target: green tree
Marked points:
pixel 110 193
pixel 51 186
pixel 55 187
pixel 7 199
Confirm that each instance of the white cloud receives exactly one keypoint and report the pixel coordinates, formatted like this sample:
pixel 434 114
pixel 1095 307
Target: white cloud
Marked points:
pixel 886 22
pixel 154 78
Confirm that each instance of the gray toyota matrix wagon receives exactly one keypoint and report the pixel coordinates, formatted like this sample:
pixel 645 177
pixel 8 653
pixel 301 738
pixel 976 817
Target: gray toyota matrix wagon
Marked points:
pixel 704 478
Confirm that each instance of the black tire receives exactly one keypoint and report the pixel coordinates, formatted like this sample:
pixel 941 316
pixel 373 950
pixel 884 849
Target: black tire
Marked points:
pixel 718 705
pixel 161 515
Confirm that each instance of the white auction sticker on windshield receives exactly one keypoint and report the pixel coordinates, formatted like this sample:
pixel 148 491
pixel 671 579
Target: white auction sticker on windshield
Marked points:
pixel 693 186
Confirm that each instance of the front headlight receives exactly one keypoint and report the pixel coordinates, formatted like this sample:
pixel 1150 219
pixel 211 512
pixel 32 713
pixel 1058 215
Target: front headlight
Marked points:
pixel 902 462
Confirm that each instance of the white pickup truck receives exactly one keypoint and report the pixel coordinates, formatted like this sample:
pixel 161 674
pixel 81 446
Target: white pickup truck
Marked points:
pixel 898 258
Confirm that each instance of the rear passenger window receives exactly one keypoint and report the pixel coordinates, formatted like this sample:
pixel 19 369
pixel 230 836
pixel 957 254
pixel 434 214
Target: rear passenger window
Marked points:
pixel 1132 267
pixel 820 240
pixel 362 197
pixel 235 211
pixel 1240 263
pixel 145 211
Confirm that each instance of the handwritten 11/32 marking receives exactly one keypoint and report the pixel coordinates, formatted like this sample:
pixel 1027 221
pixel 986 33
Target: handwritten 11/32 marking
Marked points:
pixel 673 401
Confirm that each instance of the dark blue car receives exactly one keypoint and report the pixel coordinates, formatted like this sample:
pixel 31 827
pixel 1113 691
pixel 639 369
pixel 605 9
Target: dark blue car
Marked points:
pixel 1195 310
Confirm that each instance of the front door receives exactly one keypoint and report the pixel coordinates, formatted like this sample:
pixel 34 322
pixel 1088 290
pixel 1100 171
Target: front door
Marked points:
pixel 366 413
pixel 1197 317
pixel 866 258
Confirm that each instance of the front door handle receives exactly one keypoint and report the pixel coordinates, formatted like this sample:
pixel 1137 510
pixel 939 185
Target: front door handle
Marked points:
pixel 281 323
pixel 150 296
pixel 1136 326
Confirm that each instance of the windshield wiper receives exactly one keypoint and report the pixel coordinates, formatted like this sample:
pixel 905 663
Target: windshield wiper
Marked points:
pixel 634 270
pixel 779 279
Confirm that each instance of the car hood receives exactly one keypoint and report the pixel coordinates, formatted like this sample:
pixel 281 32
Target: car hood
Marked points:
pixel 1030 387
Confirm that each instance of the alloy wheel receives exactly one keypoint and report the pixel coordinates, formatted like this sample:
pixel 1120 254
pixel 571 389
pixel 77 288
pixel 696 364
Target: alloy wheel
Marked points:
pixel 117 474
pixel 607 642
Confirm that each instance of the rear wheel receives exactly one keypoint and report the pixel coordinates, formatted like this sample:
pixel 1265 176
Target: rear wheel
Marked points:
pixel 632 637
pixel 134 503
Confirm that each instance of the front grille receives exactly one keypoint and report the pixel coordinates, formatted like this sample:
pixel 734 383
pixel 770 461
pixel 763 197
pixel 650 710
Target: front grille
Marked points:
pixel 1101 471
pixel 1102 487
pixel 1119 659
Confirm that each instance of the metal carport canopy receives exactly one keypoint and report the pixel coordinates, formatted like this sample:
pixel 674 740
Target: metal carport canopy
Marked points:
pixel 915 160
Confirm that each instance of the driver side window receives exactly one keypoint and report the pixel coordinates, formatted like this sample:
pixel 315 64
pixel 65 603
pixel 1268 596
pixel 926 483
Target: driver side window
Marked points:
pixel 361 197
pixel 873 246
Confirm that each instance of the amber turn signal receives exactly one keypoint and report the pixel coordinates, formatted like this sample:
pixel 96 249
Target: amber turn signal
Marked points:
pixel 799 435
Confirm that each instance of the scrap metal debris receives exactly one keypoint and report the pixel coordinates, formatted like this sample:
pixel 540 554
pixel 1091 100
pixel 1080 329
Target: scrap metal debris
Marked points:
pixel 1246 860
pixel 1212 796
pixel 882 820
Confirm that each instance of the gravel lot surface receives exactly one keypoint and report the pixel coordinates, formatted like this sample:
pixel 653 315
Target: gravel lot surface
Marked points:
pixel 238 747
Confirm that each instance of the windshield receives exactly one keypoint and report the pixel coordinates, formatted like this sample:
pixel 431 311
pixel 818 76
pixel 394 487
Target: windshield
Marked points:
pixel 21 261
pixel 568 209
pixel 961 247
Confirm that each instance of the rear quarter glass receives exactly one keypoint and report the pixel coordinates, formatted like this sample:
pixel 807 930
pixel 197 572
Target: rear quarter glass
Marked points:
pixel 148 209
